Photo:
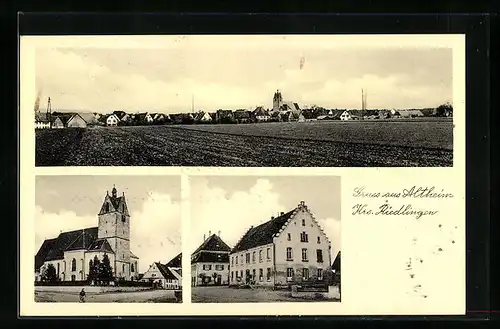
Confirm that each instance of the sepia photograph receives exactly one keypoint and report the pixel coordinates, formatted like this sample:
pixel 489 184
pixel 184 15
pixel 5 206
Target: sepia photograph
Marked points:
pixel 244 101
pixel 103 239
pixel 265 239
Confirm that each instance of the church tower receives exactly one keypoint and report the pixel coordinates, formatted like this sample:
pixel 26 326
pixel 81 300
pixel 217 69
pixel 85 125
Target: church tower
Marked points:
pixel 277 101
pixel 114 225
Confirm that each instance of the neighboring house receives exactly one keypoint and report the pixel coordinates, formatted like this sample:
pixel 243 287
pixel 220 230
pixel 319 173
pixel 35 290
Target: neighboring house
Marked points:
pixel 242 116
pixel 336 268
pixel 167 276
pixel 411 113
pixel 260 114
pixel 289 249
pixel 307 115
pixel 210 262
pixel 144 118
pixel 225 116
pixel 345 116
pixel 42 120
pixel 202 117
pixel 76 121
pixel 57 123
pixel 112 120
pixel 72 252
pixel 160 118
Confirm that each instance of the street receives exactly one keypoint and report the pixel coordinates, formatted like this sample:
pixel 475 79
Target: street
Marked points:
pixel 151 296
pixel 225 294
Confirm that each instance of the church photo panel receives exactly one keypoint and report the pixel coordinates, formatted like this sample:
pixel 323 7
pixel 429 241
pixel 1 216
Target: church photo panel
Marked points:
pixel 108 239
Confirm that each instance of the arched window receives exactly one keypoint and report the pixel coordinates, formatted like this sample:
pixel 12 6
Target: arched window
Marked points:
pixel 123 269
pixel 57 269
pixel 132 267
pixel 73 265
pixel 106 207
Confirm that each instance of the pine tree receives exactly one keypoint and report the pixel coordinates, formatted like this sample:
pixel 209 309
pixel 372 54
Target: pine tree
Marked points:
pixel 49 274
pixel 105 270
pixel 95 269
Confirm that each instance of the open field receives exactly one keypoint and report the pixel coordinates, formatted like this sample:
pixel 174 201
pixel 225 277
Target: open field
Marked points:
pixel 312 144
pixel 224 294
pixel 150 296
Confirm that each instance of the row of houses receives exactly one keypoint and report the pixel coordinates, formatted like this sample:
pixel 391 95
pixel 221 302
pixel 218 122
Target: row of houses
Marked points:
pixel 291 248
pixel 286 113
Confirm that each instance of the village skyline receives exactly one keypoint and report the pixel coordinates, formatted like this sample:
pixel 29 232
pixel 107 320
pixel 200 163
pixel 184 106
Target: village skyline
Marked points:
pixel 178 80
pixel 153 203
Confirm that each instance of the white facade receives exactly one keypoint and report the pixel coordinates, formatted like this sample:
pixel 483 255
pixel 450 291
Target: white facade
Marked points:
pixel 300 252
pixel 112 120
pixel 345 116
pixel 154 275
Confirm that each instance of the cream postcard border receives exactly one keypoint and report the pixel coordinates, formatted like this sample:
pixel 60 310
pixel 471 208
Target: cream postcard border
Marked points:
pixel 28 172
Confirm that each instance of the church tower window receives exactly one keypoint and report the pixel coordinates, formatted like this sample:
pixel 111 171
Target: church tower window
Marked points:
pixel 73 264
pixel 106 207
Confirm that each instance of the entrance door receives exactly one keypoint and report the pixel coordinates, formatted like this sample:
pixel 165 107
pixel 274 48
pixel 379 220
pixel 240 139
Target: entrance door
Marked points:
pixel 247 276
pixel 73 277
pixel 219 279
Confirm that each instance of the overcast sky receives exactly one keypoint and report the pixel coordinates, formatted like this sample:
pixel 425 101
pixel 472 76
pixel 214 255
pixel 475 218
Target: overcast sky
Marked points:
pixel 225 75
pixel 231 204
pixel 65 203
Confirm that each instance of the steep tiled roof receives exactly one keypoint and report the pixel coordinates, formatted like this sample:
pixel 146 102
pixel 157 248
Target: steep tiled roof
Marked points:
pixel 100 245
pixel 64 240
pixel 84 240
pixel 41 117
pixel 40 256
pixel 165 271
pixel 336 263
pixel 213 243
pixel 262 234
pixel 175 262
pixel 210 257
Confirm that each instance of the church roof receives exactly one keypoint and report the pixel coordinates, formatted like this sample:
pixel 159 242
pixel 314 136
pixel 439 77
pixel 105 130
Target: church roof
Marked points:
pixel 100 245
pixel 262 234
pixel 213 243
pixel 43 251
pixel 84 240
pixel 66 239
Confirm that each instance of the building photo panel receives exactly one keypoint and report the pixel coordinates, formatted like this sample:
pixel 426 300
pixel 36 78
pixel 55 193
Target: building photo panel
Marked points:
pixel 265 239
pixel 108 239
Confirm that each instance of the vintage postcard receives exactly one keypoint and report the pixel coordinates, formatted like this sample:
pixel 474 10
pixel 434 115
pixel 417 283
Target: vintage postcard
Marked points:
pixel 266 160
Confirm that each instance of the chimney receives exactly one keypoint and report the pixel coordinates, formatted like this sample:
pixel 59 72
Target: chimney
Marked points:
pixel 272 217
pixel 218 233
pixel 204 237
pixel 209 233
pixel 282 213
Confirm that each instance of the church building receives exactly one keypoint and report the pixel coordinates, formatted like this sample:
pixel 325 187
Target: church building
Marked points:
pixel 277 101
pixel 291 248
pixel 71 253
pixel 210 262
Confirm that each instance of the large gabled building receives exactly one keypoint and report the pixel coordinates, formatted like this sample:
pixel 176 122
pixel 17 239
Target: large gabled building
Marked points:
pixel 210 262
pixel 291 248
